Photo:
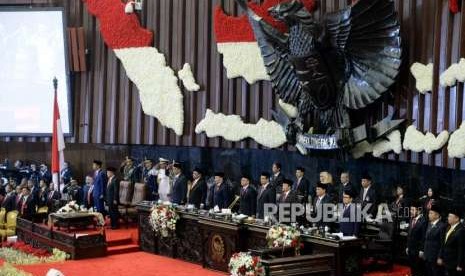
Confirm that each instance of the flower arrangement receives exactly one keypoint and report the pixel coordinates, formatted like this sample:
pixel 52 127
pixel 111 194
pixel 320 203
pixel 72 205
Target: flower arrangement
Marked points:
pixel 244 264
pixel 70 207
pixel 283 235
pixel 9 270
pixel 24 254
pixel 163 219
pixel 73 207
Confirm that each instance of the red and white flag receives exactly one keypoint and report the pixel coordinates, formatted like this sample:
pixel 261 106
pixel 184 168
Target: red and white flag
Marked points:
pixel 58 142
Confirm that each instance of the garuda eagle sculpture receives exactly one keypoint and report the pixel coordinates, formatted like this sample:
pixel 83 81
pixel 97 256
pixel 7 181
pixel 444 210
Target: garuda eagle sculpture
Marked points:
pixel 345 62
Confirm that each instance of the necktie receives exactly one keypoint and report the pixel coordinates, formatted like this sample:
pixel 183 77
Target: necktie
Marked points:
pixel 296 186
pixel 89 194
pixel 414 221
pixel 448 233
pixel 23 206
pixel 430 203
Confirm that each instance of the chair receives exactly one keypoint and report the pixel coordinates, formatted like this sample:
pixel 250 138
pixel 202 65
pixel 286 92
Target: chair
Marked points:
pixel 379 247
pixel 42 210
pixel 127 208
pixel 2 218
pixel 10 229
pixel 125 193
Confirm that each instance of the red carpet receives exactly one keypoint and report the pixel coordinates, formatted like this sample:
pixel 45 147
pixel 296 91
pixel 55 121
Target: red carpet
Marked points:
pixel 122 240
pixel 398 270
pixel 139 263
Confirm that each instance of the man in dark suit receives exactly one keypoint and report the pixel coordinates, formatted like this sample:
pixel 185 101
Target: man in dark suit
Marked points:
pixel 87 192
pixel 287 194
pixel 9 202
pixel 277 178
pixel 52 197
pixel 286 199
pixel 150 179
pixel 346 185
pixel 75 192
pixel 368 195
pixel 220 192
pixel 128 170
pixel 321 199
pixel 112 197
pixel 41 197
pixel 435 231
pixel 302 186
pixel 19 196
pixel 266 194
pixel 248 201
pixel 451 254
pixel 417 228
pixel 98 192
pixel 45 173
pixel 179 191
pixel 34 189
pixel 198 189
pixel 27 205
pixel 34 174
pixel 349 226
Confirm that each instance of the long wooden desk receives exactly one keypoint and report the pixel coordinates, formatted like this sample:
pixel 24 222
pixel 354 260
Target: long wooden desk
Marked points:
pixel 211 242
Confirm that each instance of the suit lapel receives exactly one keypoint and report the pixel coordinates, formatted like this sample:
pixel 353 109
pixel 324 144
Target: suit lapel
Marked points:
pixel 451 236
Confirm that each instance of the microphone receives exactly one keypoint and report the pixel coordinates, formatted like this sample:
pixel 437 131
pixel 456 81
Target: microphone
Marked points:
pixel 423 197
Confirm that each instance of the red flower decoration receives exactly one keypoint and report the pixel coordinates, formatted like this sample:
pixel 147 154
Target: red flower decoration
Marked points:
pixel 118 29
pixel 255 260
pixel 28 249
pixel 234 29
pixel 454 6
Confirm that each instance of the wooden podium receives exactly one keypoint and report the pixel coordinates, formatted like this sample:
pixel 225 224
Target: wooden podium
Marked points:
pixel 221 239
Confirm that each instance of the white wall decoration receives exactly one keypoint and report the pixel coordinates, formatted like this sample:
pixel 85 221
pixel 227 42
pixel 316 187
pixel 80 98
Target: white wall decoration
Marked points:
pixel 243 59
pixel 416 141
pixel 456 72
pixel 289 109
pixel 187 78
pixel 361 149
pixel 392 142
pixel 232 128
pixel 456 147
pixel 423 75
pixel 160 94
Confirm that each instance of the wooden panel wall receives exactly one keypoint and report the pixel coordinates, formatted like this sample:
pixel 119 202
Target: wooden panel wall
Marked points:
pixel 107 109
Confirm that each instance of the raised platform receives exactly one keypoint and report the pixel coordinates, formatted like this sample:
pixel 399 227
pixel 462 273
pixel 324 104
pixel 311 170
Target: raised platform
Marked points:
pixel 80 245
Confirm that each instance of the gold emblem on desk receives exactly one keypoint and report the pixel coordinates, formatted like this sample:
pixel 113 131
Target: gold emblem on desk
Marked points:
pixel 217 248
